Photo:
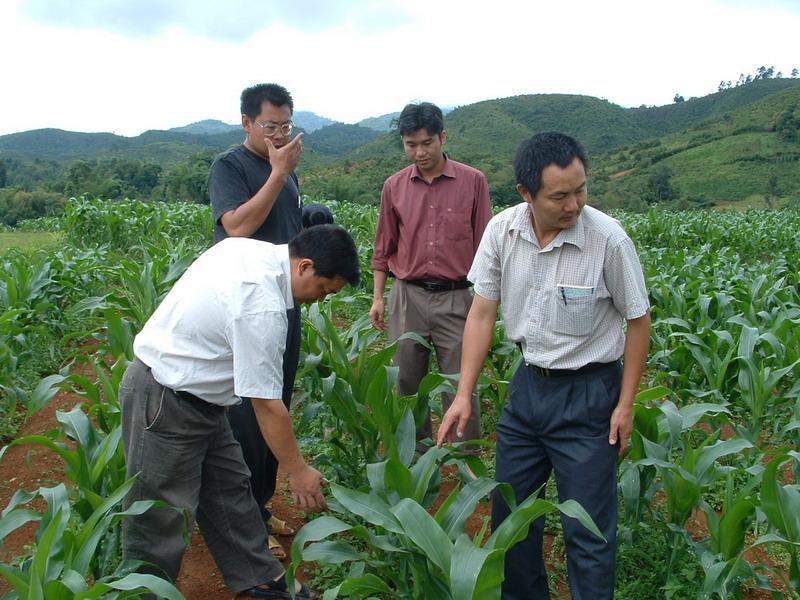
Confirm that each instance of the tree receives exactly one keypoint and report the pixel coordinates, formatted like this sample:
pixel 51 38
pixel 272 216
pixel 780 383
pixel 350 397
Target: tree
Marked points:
pixel 773 191
pixel 788 125
pixel 3 174
pixel 659 186
pixel 677 99
pixel 794 72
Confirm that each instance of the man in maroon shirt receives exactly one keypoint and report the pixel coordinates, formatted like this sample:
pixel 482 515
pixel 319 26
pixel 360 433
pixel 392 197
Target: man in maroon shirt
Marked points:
pixel 432 217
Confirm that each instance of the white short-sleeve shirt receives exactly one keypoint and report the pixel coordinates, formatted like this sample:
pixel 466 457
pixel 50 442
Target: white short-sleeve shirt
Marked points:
pixel 565 303
pixel 220 332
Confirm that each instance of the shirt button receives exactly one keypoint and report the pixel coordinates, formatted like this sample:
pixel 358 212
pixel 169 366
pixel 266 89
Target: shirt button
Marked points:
pixel 430 243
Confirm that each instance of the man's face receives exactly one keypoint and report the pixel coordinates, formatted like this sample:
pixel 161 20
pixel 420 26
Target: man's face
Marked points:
pixel 560 199
pixel 307 287
pixel 425 149
pixel 269 115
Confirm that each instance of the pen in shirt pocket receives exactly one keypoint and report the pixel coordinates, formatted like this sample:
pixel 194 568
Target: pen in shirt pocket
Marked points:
pixel 563 295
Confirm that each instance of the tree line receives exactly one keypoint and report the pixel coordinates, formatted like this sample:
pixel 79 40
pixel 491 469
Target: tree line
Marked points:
pixel 38 188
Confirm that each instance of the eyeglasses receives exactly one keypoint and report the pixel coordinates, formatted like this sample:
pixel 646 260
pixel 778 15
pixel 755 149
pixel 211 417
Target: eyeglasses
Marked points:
pixel 270 128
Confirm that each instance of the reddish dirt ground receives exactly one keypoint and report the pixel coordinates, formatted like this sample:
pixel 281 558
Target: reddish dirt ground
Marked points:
pixel 30 467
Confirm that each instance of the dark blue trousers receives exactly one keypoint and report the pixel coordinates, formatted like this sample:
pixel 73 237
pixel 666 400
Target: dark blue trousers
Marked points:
pixel 257 456
pixel 561 424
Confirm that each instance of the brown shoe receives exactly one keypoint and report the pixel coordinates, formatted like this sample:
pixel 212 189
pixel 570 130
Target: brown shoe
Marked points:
pixel 275 547
pixel 278 527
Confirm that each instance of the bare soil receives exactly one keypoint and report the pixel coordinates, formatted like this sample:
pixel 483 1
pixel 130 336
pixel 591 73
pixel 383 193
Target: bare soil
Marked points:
pixel 31 467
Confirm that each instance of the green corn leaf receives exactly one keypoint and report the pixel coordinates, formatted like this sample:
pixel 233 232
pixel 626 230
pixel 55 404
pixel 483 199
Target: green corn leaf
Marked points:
pixel 475 573
pixel 424 531
pixel 134 581
pixel 365 584
pixel 780 503
pixel 316 530
pixel 369 507
pixel 331 553
pixel 464 506
pixel 16 519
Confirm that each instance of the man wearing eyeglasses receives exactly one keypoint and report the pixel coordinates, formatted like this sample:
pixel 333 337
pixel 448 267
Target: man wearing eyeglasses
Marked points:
pixel 255 193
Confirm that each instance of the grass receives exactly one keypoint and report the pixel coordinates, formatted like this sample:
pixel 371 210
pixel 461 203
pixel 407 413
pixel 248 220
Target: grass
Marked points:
pixel 28 240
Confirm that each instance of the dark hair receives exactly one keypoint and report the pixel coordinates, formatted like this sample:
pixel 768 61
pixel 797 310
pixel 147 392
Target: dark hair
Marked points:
pixel 541 150
pixel 316 214
pixel 420 116
pixel 331 248
pixel 253 97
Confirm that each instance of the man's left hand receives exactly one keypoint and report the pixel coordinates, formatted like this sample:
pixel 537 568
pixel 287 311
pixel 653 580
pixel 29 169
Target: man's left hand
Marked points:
pixel 621 427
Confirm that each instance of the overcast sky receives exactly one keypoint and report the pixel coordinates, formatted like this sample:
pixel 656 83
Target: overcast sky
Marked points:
pixel 130 65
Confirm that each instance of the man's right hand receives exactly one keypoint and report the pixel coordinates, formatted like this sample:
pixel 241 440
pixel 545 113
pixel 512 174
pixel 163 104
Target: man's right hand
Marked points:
pixel 456 417
pixel 286 158
pixel 376 315
pixel 305 483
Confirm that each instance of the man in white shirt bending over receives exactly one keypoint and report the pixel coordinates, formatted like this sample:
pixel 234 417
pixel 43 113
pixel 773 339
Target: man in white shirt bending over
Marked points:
pixel 202 349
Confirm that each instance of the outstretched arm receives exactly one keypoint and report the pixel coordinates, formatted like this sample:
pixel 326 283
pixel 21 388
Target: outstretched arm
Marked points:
pixel 477 339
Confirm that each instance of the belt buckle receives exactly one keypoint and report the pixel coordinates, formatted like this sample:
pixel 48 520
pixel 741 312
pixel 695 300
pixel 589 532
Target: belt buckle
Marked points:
pixel 429 286
pixel 545 371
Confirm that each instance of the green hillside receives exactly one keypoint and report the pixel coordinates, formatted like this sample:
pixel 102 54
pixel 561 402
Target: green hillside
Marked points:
pixel 382 123
pixel 618 140
pixel 749 152
pixel 739 145
pixel 661 120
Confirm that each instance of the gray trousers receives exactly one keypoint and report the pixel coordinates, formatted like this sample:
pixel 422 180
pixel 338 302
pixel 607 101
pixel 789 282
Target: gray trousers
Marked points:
pixel 184 454
pixel 561 424
pixel 440 318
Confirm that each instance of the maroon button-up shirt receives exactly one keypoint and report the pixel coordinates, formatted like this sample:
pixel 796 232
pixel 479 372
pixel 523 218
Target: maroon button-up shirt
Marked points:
pixel 431 230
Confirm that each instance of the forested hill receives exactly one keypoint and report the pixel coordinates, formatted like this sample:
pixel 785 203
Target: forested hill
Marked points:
pixel 736 145
pixel 486 135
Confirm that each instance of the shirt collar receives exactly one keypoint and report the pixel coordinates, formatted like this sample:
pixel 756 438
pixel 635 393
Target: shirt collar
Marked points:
pixel 448 171
pixel 575 235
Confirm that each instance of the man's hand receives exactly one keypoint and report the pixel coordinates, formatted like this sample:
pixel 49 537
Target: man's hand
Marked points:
pixel 285 159
pixel 621 427
pixel 306 485
pixel 456 416
pixel 376 315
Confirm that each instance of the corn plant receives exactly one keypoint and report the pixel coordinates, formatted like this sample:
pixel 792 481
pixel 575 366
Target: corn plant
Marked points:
pixel 356 387
pixel 94 461
pixel 398 549
pixel 781 505
pixel 67 560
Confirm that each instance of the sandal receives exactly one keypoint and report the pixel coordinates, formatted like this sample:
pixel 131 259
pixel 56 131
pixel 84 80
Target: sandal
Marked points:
pixel 278 551
pixel 278 527
pixel 277 590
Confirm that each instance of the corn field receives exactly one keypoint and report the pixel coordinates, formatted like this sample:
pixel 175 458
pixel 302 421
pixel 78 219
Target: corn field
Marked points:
pixel 709 501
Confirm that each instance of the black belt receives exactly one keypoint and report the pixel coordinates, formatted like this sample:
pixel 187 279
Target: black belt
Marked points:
pixel 589 368
pixel 197 401
pixel 440 285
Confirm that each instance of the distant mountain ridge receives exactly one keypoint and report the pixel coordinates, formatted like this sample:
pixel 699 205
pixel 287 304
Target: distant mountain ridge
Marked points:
pixel 624 144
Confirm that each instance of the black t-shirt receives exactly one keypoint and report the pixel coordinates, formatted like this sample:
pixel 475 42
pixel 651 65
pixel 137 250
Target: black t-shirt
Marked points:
pixel 236 175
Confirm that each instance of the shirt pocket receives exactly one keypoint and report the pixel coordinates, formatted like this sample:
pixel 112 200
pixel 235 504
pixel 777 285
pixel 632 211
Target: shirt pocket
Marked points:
pixel 574 310
pixel 457 226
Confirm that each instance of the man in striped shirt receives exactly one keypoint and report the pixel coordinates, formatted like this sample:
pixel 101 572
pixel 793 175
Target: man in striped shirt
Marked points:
pixel 569 280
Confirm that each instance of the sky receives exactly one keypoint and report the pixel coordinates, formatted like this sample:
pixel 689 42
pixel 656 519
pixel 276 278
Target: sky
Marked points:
pixel 126 66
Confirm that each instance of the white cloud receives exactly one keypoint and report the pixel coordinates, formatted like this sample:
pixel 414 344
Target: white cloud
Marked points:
pixel 88 72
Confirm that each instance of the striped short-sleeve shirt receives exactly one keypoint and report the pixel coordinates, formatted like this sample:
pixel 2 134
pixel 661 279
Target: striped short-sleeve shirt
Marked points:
pixel 566 303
